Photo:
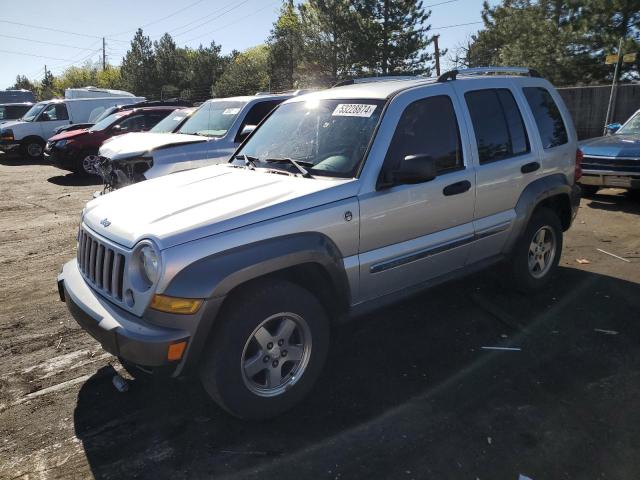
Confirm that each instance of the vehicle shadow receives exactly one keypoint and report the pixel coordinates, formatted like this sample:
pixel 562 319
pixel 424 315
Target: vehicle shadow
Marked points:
pixel 17 160
pixel 75 180
pixel 615 200
pixel 409 392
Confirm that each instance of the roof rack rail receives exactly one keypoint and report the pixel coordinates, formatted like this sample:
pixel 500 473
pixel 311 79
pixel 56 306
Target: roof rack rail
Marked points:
pixel 384 78
pixel 452 74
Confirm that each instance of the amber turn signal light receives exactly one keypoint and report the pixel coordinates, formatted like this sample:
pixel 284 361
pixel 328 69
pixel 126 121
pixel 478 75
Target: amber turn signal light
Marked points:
pixel 184 306
pixel 176 350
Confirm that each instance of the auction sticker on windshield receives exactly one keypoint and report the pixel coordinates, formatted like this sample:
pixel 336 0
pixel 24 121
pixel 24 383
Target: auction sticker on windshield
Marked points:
pixel 231 111
pixel 354 110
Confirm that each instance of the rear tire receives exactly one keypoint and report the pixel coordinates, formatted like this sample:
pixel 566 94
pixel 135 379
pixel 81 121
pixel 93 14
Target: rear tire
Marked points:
pixel 535 257
pixel 267 349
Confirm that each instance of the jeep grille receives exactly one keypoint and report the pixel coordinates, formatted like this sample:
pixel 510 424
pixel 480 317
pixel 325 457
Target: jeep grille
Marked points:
pixel 101 265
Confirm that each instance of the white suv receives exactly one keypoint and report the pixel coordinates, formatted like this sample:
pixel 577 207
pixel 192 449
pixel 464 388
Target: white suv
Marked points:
pixel 341 201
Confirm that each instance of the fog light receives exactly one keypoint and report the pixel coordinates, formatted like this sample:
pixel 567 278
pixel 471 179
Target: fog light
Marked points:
pixel 184 306
pixel 176 350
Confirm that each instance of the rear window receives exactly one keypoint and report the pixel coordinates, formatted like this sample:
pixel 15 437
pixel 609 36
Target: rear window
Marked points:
pixel 547 116
pixel 497 124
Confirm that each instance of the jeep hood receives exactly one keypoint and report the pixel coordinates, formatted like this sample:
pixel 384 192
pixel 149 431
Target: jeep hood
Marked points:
pixel 189 205
pixel 135 144
pixel 69 134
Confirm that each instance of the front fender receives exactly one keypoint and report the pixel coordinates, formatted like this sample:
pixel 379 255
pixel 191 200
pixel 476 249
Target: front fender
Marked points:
pixel 216 275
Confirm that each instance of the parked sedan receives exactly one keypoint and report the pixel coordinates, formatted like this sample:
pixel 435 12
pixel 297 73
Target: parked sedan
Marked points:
pixel 77 150
pixel 612 160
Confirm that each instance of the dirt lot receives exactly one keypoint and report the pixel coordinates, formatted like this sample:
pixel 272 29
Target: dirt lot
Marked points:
pixel 416 398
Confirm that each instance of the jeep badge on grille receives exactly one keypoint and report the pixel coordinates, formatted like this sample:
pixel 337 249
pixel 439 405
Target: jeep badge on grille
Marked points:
pixel 105 222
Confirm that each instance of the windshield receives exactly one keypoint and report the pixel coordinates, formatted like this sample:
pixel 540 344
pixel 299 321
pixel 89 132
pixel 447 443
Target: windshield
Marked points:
pixel 33 112
pixel 632 127
pixel 212 119
pixel 105 123
pixel 328 137
pixel 171 122
pixel 105 114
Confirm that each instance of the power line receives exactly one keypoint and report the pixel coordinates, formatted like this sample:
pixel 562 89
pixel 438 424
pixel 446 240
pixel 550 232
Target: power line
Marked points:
pixel 457 25
pixel 50 29
pixel 33 55
pixel 232 23
pixel 43 42
pixel 441 3
pixel 160 19
pixel 238 5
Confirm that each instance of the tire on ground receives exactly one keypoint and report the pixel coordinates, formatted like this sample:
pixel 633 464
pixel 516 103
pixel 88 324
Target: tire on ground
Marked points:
pixel 221 371
pixel 519 274
pixel 79 163
pixel 30 146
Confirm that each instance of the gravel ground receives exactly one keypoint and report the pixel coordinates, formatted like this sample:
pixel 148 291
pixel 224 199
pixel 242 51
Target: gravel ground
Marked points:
pixel 408 392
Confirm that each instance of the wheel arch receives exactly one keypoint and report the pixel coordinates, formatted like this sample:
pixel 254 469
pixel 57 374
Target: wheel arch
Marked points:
pixel 553 192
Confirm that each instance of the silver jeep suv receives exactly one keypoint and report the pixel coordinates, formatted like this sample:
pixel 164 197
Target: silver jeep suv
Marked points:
pixel 341 201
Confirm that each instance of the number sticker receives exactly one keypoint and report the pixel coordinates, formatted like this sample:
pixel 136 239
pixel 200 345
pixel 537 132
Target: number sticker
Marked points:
pixel 231 111
pixel 354 110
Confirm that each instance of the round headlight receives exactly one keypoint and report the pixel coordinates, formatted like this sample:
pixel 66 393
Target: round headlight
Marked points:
pixel 150 264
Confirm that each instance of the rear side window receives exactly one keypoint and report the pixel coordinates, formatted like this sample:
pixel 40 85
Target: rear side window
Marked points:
pixel 548 117
pixel 497 124
pixel 428 126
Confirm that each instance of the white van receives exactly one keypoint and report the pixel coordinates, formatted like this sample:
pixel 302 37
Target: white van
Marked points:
pixel 31 132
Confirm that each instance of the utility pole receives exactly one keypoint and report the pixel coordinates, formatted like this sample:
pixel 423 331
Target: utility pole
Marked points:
pixel 613 87
pixel 435 41
pixel 104 56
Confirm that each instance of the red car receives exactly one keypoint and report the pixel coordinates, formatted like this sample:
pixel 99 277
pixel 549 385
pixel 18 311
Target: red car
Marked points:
pixel 77 150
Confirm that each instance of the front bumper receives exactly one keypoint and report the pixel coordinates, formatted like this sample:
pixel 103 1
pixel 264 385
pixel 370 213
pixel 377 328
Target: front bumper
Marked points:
pixel 63 158
pixel 119 332
pixel 613 179
pixel 9 146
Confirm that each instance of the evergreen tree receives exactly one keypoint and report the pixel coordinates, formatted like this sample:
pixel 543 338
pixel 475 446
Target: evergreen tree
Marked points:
pixel 393 36
pixel 166 62
pixel 138 67
pixel 247 73
pixel 285 48
pixel 329 40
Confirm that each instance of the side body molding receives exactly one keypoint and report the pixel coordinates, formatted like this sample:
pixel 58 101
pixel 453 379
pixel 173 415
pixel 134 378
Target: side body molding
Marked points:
pixel 533 194
pixel 216 275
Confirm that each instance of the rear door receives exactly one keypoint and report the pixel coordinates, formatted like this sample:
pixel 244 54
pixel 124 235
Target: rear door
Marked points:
pixel 506 161
pixel 412 233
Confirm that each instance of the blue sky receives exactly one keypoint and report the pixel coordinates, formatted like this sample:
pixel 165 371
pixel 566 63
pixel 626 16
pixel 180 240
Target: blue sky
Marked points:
pixel 234 24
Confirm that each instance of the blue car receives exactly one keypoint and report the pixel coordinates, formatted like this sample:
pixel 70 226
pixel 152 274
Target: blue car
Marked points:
pixel 612 160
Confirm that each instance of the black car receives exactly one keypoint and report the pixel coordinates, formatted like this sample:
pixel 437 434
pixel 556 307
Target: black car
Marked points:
pixel 13 111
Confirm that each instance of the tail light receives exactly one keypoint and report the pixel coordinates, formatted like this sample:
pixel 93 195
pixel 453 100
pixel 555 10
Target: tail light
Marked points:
pixel 578 171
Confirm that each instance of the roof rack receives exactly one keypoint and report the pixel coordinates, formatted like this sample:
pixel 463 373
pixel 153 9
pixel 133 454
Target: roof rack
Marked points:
pixel 299 91
pixel 384 78
pixel 452 74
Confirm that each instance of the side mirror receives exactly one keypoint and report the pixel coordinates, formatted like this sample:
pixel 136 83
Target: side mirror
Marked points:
pixel 116 129
pixel 245 132
pixel 613 128
pixel 412 169
pixel 44 117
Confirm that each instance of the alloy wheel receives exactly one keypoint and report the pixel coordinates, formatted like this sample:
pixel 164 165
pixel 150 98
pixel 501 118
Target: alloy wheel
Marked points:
pixel 542 251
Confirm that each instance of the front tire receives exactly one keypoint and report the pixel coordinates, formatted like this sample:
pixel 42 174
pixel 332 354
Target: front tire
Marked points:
pixel 33 148
pixel 267 350
pixel 535 257
pixel 86 163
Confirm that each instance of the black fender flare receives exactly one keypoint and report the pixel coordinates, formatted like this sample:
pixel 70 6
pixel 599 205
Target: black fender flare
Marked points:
pixel 535 193
pixel 216 275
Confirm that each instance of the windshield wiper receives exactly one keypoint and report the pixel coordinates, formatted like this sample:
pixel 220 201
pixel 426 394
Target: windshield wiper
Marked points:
pixel 249 161
pixel 296 163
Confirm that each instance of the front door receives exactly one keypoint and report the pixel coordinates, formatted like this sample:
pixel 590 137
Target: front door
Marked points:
pixel 414 233
pixel 53 116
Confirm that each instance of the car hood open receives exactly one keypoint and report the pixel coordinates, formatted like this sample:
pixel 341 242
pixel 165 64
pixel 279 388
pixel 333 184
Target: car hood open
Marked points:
pixel 135 144
pixel 185 206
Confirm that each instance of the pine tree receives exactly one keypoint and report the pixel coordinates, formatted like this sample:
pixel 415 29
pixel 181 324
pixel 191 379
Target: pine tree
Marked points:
pixel 285 48
pixel 393 36
pixel 138 67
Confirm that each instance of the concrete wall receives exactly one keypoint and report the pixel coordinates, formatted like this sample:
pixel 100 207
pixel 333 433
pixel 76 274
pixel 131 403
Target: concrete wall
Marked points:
pixel 588 106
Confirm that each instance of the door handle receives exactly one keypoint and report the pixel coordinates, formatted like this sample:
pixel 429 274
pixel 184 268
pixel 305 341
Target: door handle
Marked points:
pixel 456 188
pixel 530 167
